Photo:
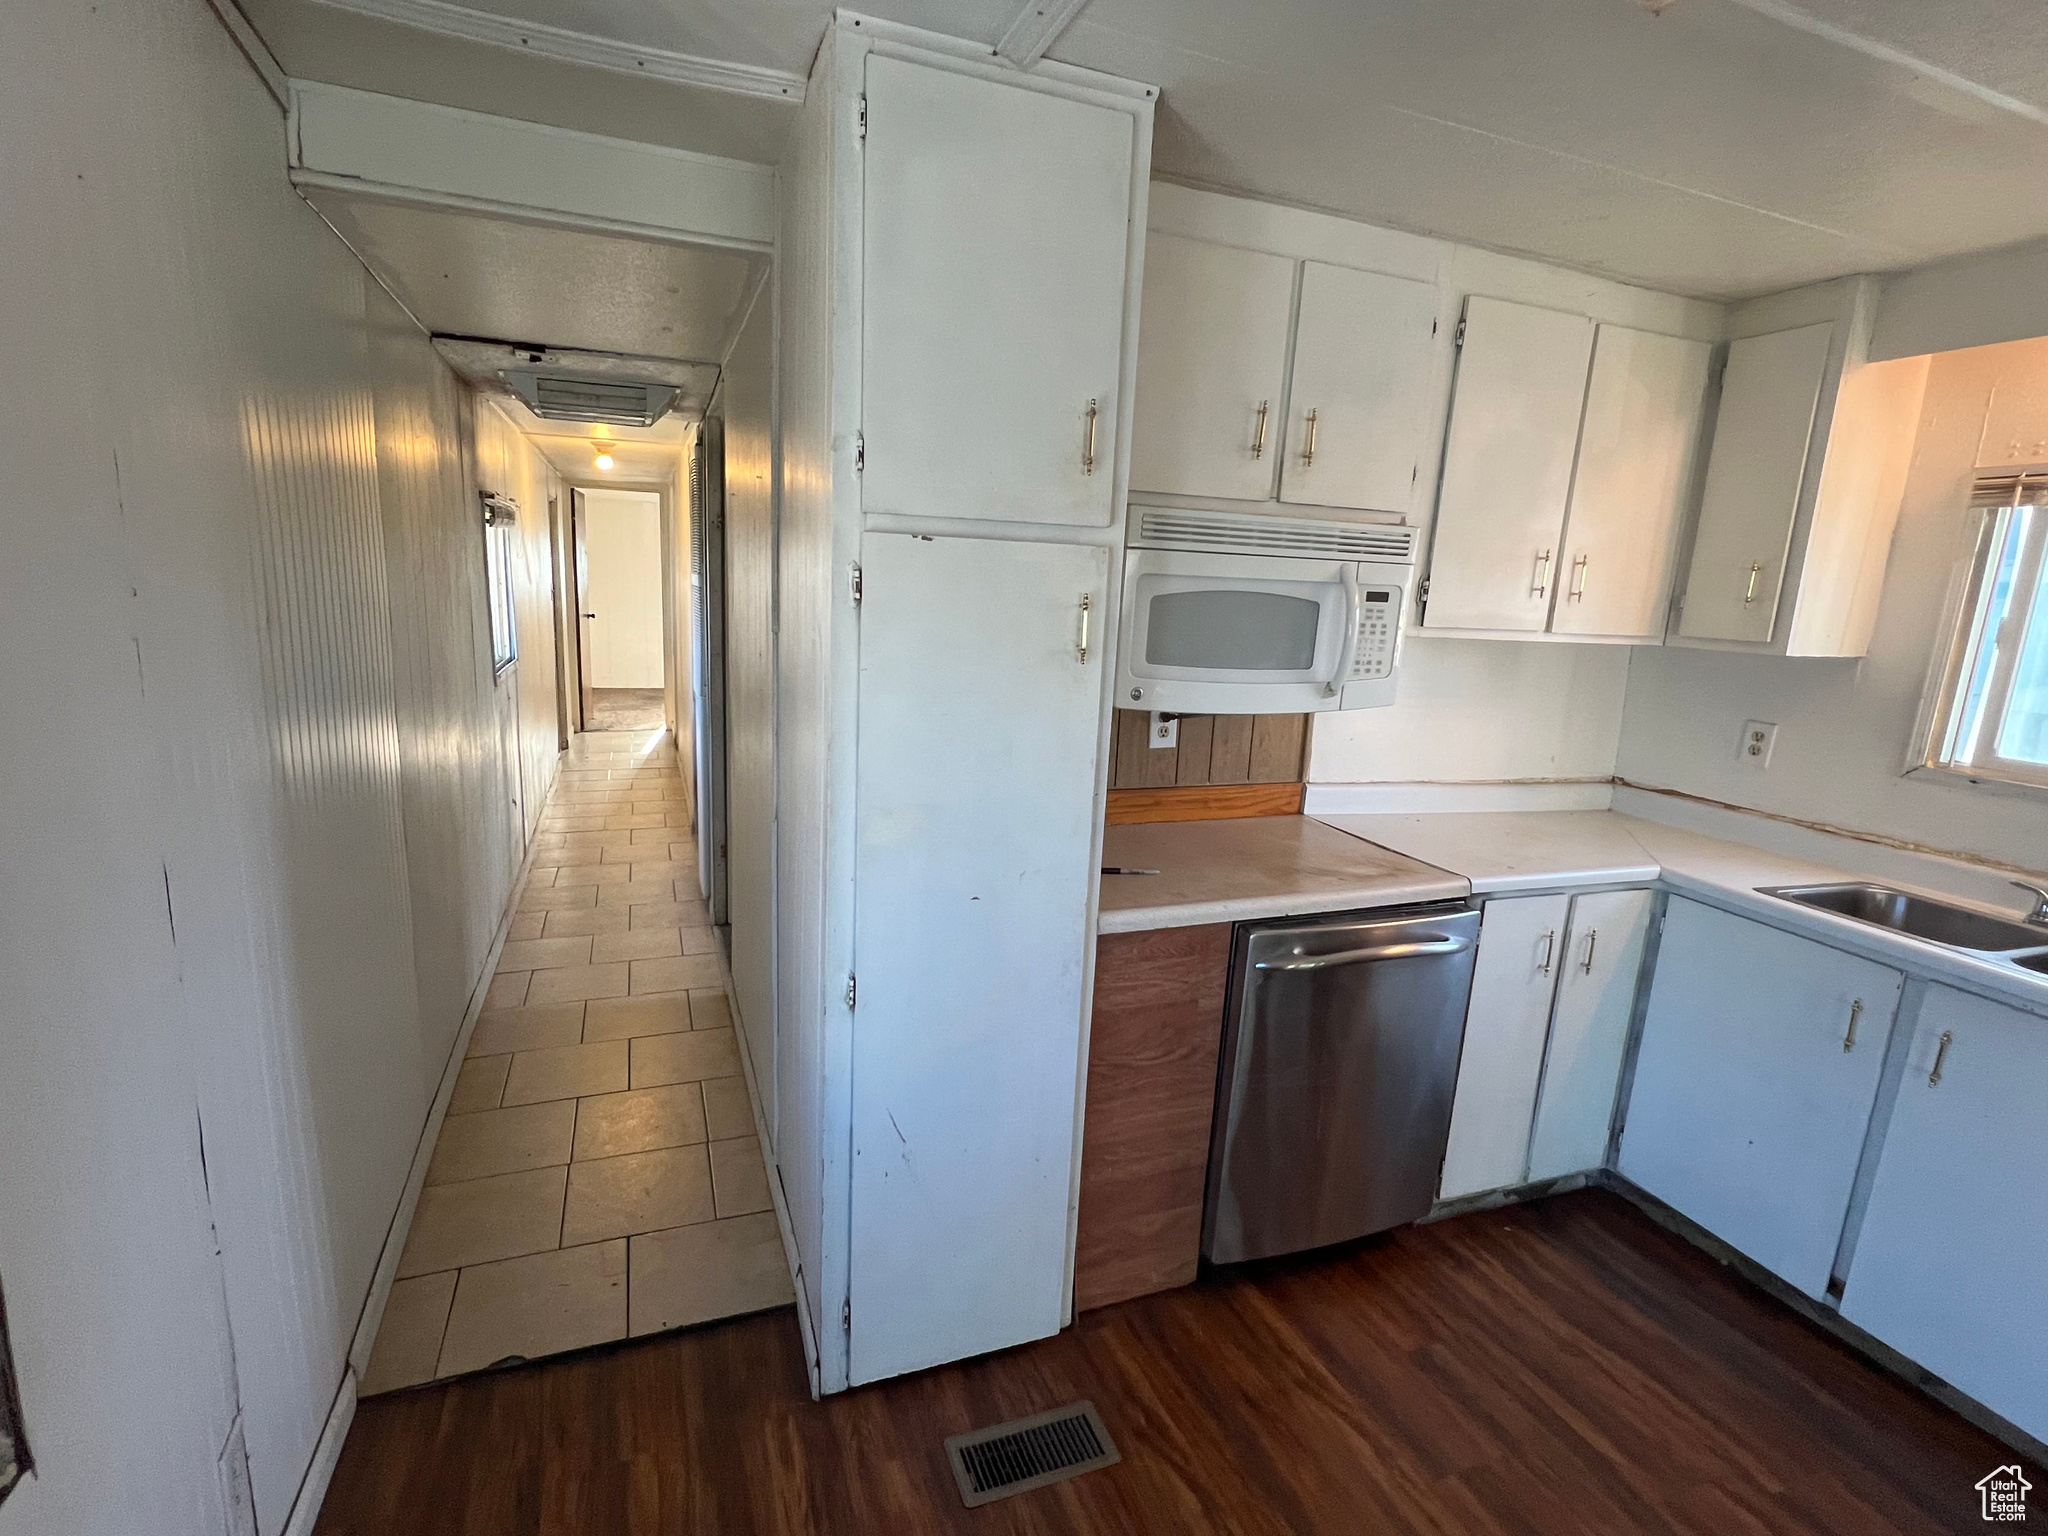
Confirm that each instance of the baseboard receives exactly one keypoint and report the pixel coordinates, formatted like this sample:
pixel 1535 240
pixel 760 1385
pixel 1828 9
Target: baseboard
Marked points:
pixel 1418 798
pixel 372 1316
pixel 326 1454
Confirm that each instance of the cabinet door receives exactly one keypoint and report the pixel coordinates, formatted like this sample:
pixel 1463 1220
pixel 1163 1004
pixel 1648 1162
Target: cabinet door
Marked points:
pixel 1754 474
pixel 1636 446
pixel 1521 944
pixel 1152 1045
pixel 1748 1114
pixel 1951 1267
pixel 1507 466
pixel 974 818
pixel 1596 996
pixel 1212 360
pixel 1361 365
pixel 992 273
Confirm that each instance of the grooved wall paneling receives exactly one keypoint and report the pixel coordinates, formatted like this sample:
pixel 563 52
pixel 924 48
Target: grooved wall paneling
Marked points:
pixel 1212 749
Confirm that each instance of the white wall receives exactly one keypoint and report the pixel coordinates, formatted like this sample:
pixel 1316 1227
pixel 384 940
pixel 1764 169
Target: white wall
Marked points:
pixel 1844 727
pixel 622 544
pixel 1482 711
pixel 745 398
pixel 254 859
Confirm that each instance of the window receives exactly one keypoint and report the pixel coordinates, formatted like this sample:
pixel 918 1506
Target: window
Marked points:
pixel 1991 719
pixel 501 515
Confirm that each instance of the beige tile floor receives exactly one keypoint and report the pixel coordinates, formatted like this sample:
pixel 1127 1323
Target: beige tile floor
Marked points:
pixel 598 1176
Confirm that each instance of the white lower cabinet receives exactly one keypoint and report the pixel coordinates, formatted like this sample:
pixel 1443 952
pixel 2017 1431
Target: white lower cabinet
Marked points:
pixel 1951 1265
pixel 1552 992
pixel 1589 1032
pixel 1513 980
pixel 1754 1085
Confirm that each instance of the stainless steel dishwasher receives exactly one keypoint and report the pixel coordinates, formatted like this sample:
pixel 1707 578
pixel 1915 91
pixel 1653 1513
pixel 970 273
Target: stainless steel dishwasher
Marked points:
pixel 1340 1055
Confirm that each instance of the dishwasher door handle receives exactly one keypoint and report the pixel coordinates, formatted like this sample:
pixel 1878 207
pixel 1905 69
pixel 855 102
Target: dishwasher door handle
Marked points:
pixel 1359 956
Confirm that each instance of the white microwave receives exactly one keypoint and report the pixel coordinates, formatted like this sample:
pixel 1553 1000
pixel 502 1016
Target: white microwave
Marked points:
pixel 1228 614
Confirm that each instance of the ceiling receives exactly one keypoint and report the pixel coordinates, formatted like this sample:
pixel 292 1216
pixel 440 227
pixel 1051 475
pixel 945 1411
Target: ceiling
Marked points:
pixel 642 456
pixel 1719 148
pixel 471 274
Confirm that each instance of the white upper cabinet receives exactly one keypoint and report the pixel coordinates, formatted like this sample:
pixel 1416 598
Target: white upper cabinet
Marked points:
pixel 1223 412
pixel 1804 481
pixel 1951 1265
pixel 1768 394
pixel 1212 369
pixel 1637 449
pixel 1507 466
pixel 1754 1083
pixel 993 273
pixel 1361 374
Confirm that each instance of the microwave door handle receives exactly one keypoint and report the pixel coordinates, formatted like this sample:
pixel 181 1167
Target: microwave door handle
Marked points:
pixel 1348 652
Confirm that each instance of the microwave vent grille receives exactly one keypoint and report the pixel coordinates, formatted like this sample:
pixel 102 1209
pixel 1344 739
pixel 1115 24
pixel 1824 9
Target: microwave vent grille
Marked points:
pixel 1165 528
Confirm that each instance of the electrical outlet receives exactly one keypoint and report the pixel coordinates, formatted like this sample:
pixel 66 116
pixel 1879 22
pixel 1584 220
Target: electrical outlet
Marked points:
pixel 1758 738
pixel 1165 729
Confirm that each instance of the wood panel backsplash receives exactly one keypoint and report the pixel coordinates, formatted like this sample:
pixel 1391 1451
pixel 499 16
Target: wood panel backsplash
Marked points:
pixel 1213 749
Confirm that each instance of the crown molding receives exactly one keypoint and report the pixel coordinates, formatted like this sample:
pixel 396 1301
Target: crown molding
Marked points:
pixel 566 46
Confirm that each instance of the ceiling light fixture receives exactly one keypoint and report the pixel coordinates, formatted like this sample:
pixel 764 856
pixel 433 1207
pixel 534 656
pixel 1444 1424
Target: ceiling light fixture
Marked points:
pixel 604 456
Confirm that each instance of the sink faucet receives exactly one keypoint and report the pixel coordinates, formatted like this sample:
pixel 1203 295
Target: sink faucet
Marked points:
pixel 2039 916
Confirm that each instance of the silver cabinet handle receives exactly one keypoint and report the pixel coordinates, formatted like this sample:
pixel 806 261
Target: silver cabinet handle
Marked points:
pixel 1081 647
pixel 1578 589
pixel 1549 949
pixel 1540 582
pixel 1592 938
pixel 1855 1013
pixel 1308 449
pixel 1088 443
pixel 1749 592
pixel 1259 432
pixel 1940 1056
pixel 1358 956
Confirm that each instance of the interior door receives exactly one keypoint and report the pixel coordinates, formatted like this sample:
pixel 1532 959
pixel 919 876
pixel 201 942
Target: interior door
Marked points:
pixel 707 654
pixel 1747 1112
pixel 1596 996
pixel 1636 456
pixel 1758 464
pixel 1951 1265
pixel 579 518
pixel 1521 945
pixel 1362 355
pixel 1212 365
pixel 996 233
pixel 974 825
pixel 1507 466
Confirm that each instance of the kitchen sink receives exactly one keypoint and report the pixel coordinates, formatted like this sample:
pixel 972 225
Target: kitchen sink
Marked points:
pixel 1921 917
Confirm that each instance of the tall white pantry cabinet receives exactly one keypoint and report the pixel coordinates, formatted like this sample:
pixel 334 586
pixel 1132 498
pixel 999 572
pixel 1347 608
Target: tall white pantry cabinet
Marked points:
pixel 959 270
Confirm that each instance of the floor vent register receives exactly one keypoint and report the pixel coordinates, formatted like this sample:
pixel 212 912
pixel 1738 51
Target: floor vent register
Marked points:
pixel 994 1463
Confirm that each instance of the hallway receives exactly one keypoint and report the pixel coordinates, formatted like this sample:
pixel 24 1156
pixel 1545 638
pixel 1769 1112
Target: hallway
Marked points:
pixel 598 1176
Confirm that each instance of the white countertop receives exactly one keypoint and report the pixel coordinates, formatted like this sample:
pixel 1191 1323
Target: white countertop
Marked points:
pixel 1513 850
pixel 1552 850
pixel 1260 866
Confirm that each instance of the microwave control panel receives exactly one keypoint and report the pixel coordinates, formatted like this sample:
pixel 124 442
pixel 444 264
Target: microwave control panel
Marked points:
pixel 1379 623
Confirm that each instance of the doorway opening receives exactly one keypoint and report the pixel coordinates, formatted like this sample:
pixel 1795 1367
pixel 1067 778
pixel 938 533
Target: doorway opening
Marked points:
pixel 619 610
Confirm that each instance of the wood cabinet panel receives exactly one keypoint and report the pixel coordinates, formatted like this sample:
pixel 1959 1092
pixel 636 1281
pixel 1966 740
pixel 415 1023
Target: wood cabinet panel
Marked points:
pixel 1202 802
pixel 1151 1091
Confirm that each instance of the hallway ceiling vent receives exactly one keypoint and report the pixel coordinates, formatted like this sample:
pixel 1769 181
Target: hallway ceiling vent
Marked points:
pixel 573 397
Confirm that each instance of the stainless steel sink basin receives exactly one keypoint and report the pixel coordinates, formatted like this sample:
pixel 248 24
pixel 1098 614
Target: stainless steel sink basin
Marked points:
pixel 1936 921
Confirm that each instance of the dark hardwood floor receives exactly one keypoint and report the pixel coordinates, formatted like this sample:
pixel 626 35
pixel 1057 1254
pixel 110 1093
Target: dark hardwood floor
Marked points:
pixel 1564 1366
